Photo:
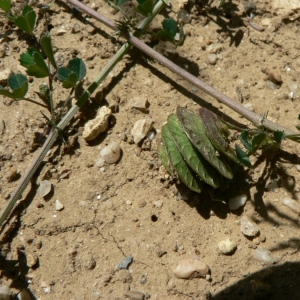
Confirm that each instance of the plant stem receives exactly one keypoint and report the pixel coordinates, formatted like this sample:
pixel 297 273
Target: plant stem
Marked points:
pixel 237 107
pixel 67 118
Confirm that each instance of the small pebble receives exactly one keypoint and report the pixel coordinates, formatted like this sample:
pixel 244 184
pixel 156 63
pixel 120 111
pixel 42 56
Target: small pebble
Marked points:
pixel 98 125
pixel 141 104
pixel 184 16
pixel 275 77
pixel 100 162
pixel 272 186
pixel 140 129
pixel 44 188
pixel 126 262
pixel 158 203
pixel 4 292
pixel 111 153
pixel 212 59
pixel 265 256
pixel 32 260
pixel 248 227
pixel 134 295
pixel 227 246
pixel 237 202
pixel 58 205
pixel 190 268
pixel 292 204
pixel 271 85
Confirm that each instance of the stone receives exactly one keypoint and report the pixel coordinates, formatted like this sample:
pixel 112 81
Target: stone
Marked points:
pixel 44 188
pixel 126 262
pixel 237 202
pixel 98 125
pixel 227 246
pixel 189 268
pixel 111 153
pixel 58 205
pixel 248 227
pixel 265 256
pixel 292 204
pixel 140 129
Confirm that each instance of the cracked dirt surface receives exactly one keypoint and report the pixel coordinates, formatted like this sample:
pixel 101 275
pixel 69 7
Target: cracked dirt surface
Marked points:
pixel 129 208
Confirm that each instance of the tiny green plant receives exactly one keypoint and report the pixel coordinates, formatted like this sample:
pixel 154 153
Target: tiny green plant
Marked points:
pixel 171 31
pixel 36 66
pixel 197 148
pixel 25 19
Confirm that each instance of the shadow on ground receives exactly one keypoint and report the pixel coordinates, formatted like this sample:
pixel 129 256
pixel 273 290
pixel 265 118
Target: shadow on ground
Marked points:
pixel 276 283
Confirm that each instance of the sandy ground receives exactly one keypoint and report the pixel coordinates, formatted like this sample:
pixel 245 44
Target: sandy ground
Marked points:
pixel 130 208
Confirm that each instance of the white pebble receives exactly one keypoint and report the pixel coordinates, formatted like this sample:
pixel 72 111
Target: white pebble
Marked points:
pixel 227 246
pixel 298 168
pixel 140 129
pixel 264 255
pixel 44 188
pixel 248 227
pixel 100 162
pixel 158 203
pixel 58 205
pixel 111 153
pixel 191 268
pixel 237 202
pixel 272 186
pixel 292 204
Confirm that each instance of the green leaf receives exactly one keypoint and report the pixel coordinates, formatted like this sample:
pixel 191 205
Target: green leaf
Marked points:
pixel 48 49
pixel 78 67
pixel 165 35
pixel 170 25
pixel 187 176
pixel 120 2
pixel 195 130
pixel 257 140
pixel 5 92
pixel 244 139
pixel 216 132
pixel 242 156
pixel 35 64
pixel 27 20
pixel 163 155
pixel 63 73
pixel 191 155
pixel 19 85
pixel 279 136
pixel 71 81
pixel 145 7
pixel 5 5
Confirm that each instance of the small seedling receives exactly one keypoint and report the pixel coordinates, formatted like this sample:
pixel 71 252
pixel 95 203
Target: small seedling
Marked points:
pixel 24 19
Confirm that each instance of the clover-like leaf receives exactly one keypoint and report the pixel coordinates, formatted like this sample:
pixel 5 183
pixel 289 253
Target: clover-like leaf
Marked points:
pixel 5 5
pixel 145 7
pixel 77 66
pixel 19 85
pixel 27 20
pixel 34 62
